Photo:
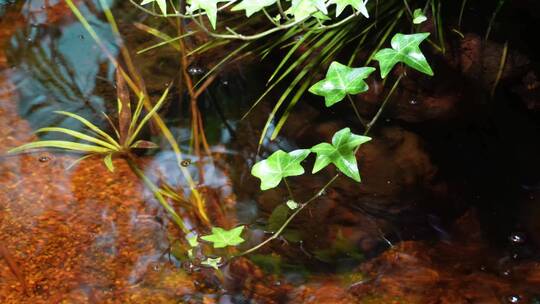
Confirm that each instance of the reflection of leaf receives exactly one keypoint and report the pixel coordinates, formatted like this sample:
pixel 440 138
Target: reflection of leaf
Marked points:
pixel 277 218
pixel 359 5
pixel 341 80
pixel 418 16
pixel 214 263
pixel 253 6
pixel 340 153
pixel 223 238
pixel 278 166
pixel 405 48
pixel 341 247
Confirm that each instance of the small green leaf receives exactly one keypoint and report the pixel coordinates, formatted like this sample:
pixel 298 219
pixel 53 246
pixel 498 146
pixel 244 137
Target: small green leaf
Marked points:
pixel 192 240
pixel 341 80
pixel 161 3
pixel 214 263
pixel 340 153
pixel 405 48
pixel 418 16
pixel 292 204
pixel 302 9
pixel 278 166
pixel 359 5
pixel 108 162
pixel 223 238
pixel 208 6
pixel 253 6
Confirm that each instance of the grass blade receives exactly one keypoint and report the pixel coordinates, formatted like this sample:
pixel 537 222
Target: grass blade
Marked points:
pixel 148 116
pixel 108 162
pixel 61 144
pixel 90 125
pixel 79 135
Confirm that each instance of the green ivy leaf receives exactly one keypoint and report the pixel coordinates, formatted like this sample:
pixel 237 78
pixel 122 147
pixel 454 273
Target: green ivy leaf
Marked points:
pixel 359 5
pixel 209 6
pixel 340 153
pixel 418 16
pixel 161 3
pixel 302 9
pixel 223 238
pixel 279 165
pixel 341 80
pixel 405 48
pixel 253 6
pixel 214 263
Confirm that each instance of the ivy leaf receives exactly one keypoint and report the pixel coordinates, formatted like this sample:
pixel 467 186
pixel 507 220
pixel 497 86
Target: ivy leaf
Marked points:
pixel 405 48
pixel 302 9
pixel 418 16
pixel 223 238
pixel 214 263
pixel 253 6
pixel 209 6
pixel 340 153
pixel 359 5
pixel 161 3
pixel 341 80
pixel 279 165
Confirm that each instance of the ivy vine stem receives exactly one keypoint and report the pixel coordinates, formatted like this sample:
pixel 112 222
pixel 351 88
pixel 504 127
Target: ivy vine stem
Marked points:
pixel 289 219
pixel 360 119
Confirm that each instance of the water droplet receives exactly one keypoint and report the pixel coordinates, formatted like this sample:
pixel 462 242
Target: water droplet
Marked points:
pixel 513 299
pixel 186 162
pixel 388 182
pixel 322 192
pixel 517 238
pixel 506 272
pixel 483 268
pixel 44 158
pixel 413 102
pixel 29 39
pixel 195 71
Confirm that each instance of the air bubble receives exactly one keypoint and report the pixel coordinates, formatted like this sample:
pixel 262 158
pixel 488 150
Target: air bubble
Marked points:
pixel 185 162
pixel 513 299
pixel 44 158
pixel 517 238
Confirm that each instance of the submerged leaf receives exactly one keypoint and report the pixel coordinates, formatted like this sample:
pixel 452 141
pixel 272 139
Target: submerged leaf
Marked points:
pixel 340 153
pixel 253 6
pixel 341 80
pixel 278 166
pixel 211 262
pixel 405 48
pixel 223 238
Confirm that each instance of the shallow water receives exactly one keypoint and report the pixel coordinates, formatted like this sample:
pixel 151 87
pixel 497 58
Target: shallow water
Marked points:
pixel 447 211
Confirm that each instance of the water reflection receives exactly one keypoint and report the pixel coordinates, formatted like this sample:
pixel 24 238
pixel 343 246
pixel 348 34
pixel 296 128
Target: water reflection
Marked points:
pixel 55 68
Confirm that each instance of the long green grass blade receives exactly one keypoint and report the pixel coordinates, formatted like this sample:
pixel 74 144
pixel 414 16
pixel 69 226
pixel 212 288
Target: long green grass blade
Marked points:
pixel 79 135
pixel 90 125
pixel 61 144
pixel 148 116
